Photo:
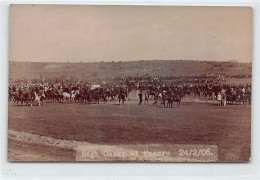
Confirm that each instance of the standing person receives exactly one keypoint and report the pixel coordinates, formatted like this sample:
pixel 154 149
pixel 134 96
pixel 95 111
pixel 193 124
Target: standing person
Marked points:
pixel 213 95
pixel 140 98
pixel 223 97
pixel 155 99
pixel 163 98
pixel 219 98
pixel 146 97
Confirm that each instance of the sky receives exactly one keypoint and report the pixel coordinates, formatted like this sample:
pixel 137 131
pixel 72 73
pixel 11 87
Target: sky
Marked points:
pixel 62 33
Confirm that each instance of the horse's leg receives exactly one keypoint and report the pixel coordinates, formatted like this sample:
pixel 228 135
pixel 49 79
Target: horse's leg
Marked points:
pixel 26 103
pixel 29 102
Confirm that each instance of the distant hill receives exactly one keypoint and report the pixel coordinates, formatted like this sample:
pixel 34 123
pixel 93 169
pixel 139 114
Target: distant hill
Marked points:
pixel 233 61
pixel 104 69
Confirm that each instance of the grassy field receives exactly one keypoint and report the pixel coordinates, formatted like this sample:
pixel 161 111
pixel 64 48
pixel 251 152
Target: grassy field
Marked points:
pixel 194 123
pixel 112 124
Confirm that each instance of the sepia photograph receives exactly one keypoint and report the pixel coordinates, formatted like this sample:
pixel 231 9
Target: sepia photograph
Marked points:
pixel 129 83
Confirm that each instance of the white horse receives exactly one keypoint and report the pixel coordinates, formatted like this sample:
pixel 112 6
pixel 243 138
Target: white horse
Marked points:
pixel 73 95
pixel 38 98
pixel 66 97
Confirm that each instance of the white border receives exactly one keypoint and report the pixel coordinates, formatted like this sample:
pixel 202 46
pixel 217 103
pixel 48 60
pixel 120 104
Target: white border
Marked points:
pixel 130 170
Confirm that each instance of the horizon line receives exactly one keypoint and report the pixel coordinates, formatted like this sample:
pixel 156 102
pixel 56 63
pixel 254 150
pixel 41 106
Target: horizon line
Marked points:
pixel 102 61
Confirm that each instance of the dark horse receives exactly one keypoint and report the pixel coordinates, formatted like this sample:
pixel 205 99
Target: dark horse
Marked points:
pixel 177 99
pixel 122 97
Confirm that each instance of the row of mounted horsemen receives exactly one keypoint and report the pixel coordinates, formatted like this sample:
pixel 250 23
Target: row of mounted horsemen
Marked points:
pixel 32 94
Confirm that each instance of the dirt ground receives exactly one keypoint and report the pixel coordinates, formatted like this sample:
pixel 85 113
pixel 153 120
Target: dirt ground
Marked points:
pixel 130 124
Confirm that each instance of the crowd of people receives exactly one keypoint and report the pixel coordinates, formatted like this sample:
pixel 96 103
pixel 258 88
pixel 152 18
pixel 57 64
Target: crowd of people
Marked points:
pixel 163 90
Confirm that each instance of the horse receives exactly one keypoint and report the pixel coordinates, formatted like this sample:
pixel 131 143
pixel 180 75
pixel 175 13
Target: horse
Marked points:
pixel 18 98
pixel 104 97
pixel 30 98
pixel 208 93
pixel 177 99
pixel 232 97
pixel 38 98
pixel 247 97
pixel 197 92
pixel 151 94
pixel 66 97
pixel 121 97
pixel 73 96
pixel 113 96
pixel 96 97
pixel 58 96
pixel 50 95
pixel 11 95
